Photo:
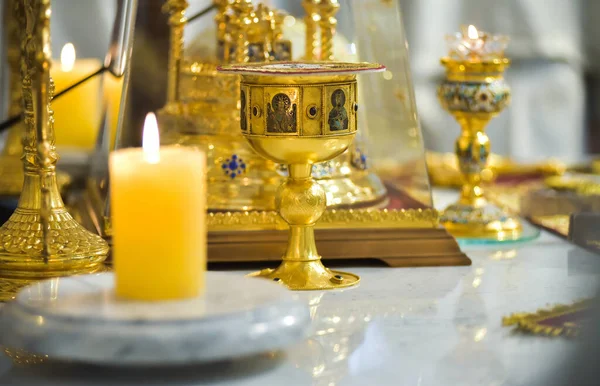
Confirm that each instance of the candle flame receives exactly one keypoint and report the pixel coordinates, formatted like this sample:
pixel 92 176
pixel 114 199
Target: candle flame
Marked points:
pixel 472 32
pixel 151 140
pixel 67 57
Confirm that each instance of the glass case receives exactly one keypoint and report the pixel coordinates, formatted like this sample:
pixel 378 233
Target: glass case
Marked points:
pixel 379 183
pixel 385 168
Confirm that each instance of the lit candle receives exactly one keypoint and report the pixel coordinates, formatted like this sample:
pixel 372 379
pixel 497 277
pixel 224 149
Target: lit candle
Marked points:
pixel 473 42
pixel 158 213
pixel 475 45
pixel 77 113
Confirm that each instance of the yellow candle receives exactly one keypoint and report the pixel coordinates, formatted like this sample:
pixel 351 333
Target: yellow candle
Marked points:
pixel 77 113
pixel 158 210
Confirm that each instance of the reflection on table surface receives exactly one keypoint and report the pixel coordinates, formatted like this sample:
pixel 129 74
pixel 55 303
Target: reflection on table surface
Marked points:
pixel 404 326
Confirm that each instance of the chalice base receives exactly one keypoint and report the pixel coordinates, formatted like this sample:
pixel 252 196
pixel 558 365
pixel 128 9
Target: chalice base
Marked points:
pixel 307 275
pixel 484 221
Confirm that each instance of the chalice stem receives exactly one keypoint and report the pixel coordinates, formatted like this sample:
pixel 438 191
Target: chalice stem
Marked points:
pixel 301 244
pixel 472 151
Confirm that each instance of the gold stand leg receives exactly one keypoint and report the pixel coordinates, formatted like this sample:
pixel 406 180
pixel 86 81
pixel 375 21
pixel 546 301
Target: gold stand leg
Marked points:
pixel 473 215
pixel 301 201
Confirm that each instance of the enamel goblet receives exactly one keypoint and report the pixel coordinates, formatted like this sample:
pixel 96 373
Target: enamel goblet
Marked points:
pixel 474 92
pixel 300 114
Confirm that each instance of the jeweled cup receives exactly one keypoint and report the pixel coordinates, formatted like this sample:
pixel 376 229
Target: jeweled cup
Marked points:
pixel 299 114
pixel 474 92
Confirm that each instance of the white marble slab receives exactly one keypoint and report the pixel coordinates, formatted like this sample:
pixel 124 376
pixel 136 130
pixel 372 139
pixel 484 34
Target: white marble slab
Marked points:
pixel 80 319
pixel 432 326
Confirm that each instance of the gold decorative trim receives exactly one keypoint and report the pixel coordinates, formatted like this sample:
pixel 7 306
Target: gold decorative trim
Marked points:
pixel 584 185
pixel 22 357
pixel 531 321
pixel 363 218
pixel 558 223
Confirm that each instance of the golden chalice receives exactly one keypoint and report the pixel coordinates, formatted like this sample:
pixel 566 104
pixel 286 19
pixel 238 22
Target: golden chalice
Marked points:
pixel 300 114
pixel 474 92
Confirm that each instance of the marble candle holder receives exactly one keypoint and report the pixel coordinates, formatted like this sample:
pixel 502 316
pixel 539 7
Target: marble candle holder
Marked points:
pixel 79 319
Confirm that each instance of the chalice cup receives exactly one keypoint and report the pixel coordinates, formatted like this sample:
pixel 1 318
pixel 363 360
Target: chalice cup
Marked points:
pixel 474 92
pixel 300 114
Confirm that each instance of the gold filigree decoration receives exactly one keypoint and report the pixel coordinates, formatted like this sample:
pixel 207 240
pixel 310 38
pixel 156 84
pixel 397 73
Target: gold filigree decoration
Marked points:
pixel 361 218
pixel 23 235
pixel 531 322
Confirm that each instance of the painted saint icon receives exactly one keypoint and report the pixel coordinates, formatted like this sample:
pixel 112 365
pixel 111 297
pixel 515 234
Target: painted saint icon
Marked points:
pixel 338 116
pixel 281 115
pixel 243 122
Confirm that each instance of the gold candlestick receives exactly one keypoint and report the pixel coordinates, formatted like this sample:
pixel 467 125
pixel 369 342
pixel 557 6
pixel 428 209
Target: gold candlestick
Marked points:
pixel 299 114
pixel 320 28
pixel 311 21
pixel 11 167
pixel 176 10
pixel 474 92
pixel 41 239
pixel 240 23
pixel 327 24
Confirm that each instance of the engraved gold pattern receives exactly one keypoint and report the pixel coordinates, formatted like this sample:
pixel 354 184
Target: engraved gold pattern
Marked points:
pixel 363 218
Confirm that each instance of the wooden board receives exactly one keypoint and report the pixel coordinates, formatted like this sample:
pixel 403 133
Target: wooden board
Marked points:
pixel 396 247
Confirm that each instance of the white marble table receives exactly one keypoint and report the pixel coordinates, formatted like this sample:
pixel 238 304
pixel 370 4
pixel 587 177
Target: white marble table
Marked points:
pixel 404 326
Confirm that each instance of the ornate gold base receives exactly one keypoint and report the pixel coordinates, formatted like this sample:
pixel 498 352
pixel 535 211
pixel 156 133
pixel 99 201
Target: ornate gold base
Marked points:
pixel 71 247
pixel 480 221
pixel 73 250
pixel 307 275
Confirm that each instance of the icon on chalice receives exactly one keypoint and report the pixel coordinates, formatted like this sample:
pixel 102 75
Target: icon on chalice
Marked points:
pixel 282 116
pixel 311 117
pixel 474 92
